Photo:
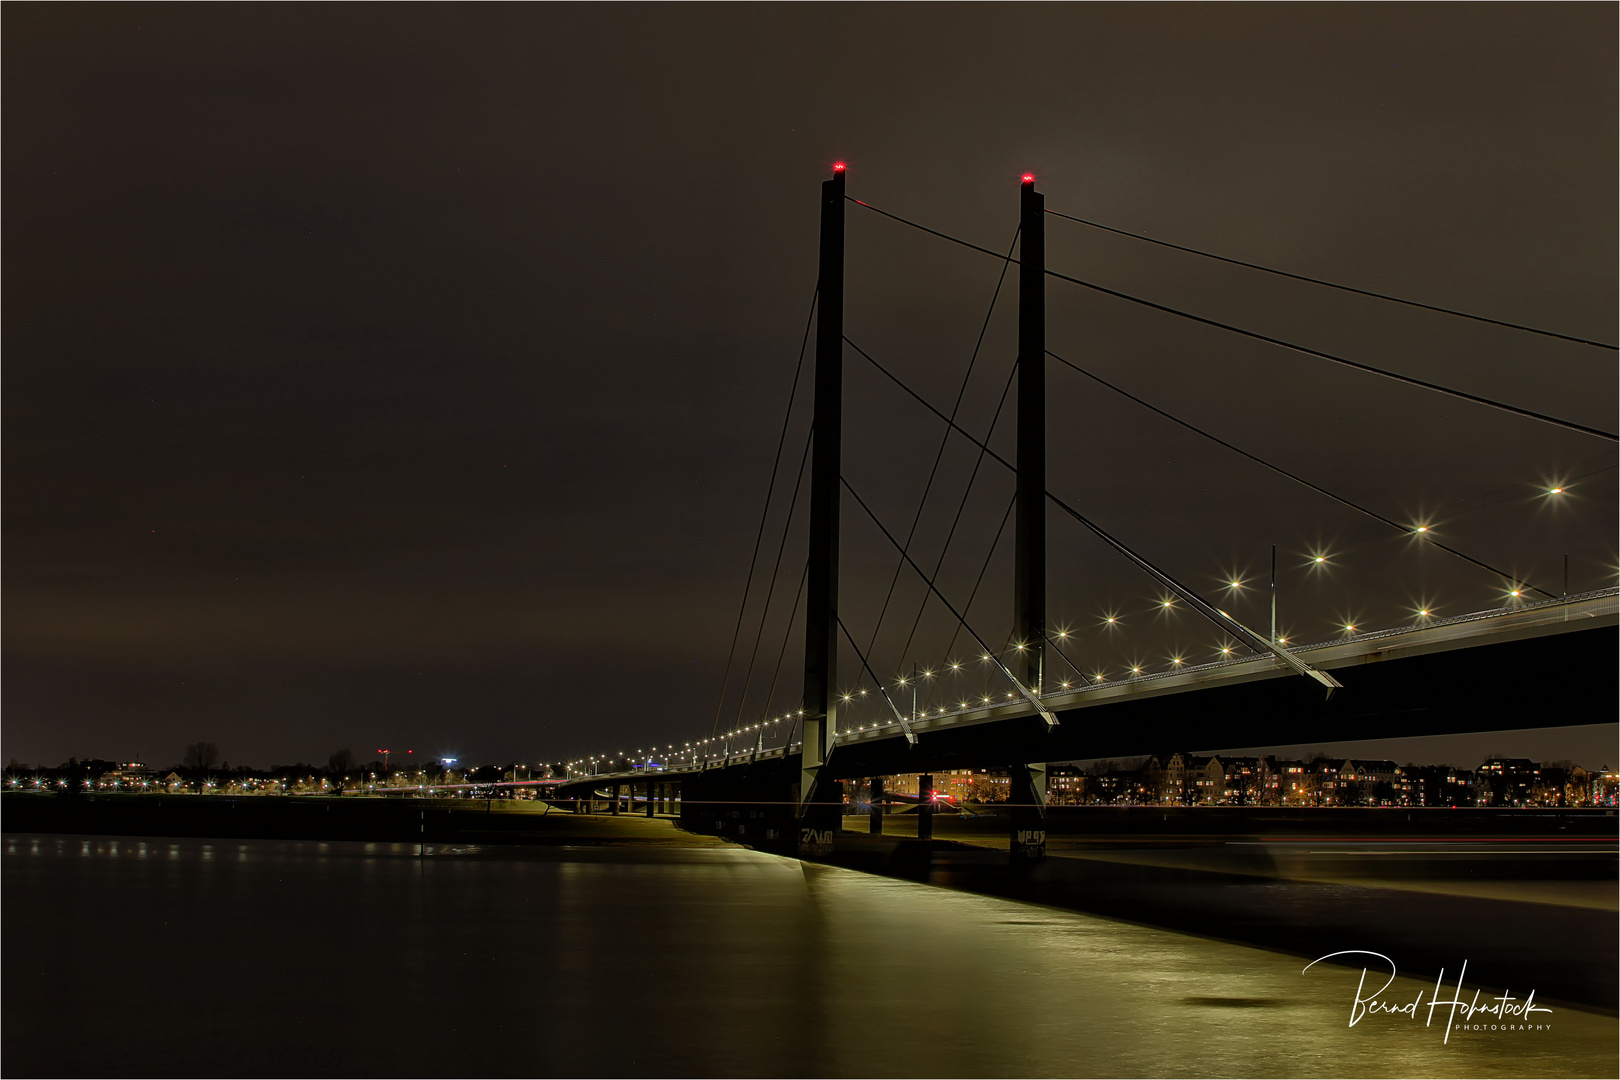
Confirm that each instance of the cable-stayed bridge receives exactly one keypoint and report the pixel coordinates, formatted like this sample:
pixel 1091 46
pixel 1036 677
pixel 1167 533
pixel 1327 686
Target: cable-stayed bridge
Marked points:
pixel 1536 654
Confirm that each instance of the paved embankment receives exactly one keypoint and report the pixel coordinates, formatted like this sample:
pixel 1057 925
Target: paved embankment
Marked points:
pixel 432 821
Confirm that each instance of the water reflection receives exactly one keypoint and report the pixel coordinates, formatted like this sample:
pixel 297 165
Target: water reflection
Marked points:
pixel 358 959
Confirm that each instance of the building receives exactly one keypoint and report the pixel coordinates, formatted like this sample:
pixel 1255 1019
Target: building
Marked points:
pixel 1506 782
pixel 1434 785
pixel 1366 783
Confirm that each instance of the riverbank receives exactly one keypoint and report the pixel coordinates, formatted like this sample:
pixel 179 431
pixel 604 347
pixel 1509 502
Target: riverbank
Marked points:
pixel 426 821
pixel 510 821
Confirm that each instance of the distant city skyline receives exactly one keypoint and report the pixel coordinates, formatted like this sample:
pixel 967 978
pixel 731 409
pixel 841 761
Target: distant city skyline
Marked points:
pixel 1591 745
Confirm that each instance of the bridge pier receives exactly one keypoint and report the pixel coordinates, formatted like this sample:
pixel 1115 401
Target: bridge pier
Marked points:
pixel 925 807
pixel 1028 792
pixel 874 819
pixel 651 805
pixel 613 802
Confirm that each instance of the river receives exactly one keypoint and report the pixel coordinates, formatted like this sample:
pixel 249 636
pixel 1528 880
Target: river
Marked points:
pixel 132 956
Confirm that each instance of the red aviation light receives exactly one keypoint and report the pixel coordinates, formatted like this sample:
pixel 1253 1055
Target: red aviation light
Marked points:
pixel 839 166
pixel 1029 178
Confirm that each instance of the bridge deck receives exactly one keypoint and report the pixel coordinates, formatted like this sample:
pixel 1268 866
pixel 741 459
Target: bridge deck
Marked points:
pixel 879 745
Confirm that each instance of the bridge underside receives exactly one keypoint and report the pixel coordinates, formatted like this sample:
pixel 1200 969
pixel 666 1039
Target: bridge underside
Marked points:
pixel 1529 671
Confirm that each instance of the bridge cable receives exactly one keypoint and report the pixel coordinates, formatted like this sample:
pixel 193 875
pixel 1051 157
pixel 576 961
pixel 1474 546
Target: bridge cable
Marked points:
pixel 787 528
pixel 1199 604
pixel 770 489
pixel 956 521
pixel 973 595
pixel 944 441
pixel 1519 494
pixel 967 609
pixel 1319 354
pixel 787 635
pixel 1059 650
pixel 911 736
pixel 1406 529
pixel 1335 285
pixel 1029 695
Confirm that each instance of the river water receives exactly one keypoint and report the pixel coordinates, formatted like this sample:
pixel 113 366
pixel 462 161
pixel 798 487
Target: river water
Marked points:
pixel 130 956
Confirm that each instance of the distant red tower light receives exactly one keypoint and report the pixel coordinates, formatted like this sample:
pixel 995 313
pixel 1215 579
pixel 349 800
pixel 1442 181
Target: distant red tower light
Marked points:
pixel 1029 178
pixel 838 166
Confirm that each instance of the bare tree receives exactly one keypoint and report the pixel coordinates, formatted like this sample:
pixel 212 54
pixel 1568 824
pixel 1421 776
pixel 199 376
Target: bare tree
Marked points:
pixel 341 761
pixel 201 756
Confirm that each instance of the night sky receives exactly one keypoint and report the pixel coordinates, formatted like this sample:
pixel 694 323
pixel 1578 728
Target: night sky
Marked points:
pixel 411 376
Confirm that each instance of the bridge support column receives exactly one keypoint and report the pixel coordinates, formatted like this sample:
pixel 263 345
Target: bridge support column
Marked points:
pixel 650 804
pixel 613 803
pixel 874 820
pixel 817 809
pixel 1028 791
pixel 925 807
pixel 1029 552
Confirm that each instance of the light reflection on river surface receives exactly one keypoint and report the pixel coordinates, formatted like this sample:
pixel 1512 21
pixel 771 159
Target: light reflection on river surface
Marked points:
pixel 130 956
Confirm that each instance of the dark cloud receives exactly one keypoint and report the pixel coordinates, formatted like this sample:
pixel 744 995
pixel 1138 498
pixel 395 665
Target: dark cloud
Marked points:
pixel 412 373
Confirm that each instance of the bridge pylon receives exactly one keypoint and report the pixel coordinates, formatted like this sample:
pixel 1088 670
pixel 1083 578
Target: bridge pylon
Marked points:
pixel 1029 560
pixel 817 817
pixel 1028 781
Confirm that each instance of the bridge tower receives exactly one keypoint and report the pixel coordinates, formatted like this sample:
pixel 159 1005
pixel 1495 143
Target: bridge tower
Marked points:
pixel 815 812
pixel 1029 565
pixel 1028 787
